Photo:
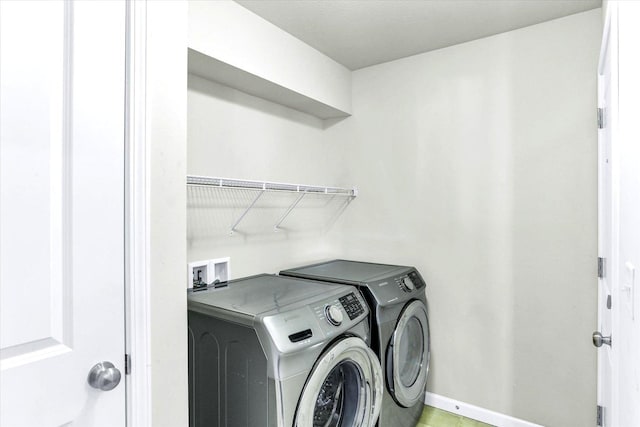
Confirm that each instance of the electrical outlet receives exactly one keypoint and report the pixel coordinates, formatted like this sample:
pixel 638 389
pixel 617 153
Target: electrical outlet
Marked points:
pixel 207 272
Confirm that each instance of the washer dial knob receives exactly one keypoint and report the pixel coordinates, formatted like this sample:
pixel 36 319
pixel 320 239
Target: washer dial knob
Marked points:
pixel 407 284
pixel 333 315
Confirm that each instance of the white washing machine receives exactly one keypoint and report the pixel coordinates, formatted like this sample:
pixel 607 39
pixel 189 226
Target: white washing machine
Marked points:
pixel 278 351
pixel 399 329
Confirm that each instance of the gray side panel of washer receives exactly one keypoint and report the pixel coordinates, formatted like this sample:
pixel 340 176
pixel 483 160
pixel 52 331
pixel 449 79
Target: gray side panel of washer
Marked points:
pixel 228 381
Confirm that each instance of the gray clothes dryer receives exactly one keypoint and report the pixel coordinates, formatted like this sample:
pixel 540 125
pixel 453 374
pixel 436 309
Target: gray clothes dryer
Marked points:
pixel 399 329
pixel 279 351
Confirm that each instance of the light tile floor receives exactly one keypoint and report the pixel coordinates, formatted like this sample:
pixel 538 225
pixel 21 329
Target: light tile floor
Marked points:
pixel 432 417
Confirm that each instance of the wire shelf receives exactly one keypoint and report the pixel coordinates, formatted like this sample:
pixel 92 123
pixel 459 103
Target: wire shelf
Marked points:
pixel 259 188
pixel 268 186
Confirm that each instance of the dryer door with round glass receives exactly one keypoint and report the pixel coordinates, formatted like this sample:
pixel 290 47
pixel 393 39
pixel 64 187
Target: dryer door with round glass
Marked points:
pixel 408 355
pixel 344 389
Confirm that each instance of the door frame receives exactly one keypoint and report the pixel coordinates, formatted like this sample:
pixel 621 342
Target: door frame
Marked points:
pixel 137 222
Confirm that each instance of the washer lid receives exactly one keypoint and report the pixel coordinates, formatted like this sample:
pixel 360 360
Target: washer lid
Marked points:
pixel 259 294
pixel 345 271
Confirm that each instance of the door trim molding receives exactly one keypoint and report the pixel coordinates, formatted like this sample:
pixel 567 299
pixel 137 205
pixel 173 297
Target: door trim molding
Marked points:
pixel 137 220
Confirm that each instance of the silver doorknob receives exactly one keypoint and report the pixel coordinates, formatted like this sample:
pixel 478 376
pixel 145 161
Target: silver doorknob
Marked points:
pixel 598 339
pixel 104 376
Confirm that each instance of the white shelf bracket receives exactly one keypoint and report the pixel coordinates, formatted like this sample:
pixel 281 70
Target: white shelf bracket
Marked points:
pixel 235 225
pixel 288 211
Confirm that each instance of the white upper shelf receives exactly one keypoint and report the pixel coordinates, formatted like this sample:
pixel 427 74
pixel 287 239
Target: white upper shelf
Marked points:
pixel 233 46
pixel 212 69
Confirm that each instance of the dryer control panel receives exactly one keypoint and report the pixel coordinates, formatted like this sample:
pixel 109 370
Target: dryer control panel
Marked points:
pixel 397 288
pixel 409 282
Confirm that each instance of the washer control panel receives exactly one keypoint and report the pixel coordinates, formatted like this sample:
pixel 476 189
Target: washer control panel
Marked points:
pixel 351 305
pixel 340 312
pixel 333 314
pixel 330 314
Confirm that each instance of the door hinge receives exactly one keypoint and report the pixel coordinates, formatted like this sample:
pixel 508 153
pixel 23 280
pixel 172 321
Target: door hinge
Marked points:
pixel 602 265
pixel 127 364
pixel 601 116
pixel 600 416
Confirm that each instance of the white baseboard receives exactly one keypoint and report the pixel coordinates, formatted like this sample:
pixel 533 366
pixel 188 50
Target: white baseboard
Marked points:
pixel 474 412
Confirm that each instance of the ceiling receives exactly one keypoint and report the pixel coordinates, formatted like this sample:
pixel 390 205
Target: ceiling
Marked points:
pixel 360 33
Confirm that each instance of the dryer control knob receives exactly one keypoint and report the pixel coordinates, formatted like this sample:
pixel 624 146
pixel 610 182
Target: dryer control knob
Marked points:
pixel 407 284
pixel 333 315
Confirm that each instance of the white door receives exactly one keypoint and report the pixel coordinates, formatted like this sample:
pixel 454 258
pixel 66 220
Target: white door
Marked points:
pixel 626 143
pixel 62 68
pixel 606 304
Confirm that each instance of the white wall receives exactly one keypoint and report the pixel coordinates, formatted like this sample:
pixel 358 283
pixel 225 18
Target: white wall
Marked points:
pixel 166 133
pixel 477 164
pixel 235 135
